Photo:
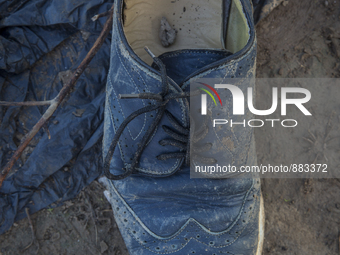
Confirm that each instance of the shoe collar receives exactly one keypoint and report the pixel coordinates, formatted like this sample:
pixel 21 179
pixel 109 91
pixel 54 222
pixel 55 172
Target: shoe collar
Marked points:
pixel 247 10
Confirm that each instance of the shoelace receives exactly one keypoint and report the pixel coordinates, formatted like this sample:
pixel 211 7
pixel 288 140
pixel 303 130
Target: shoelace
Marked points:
pixel 181 137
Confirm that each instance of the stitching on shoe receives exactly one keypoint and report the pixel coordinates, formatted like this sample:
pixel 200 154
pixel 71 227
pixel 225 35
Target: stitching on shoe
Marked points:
pixel 148 89
pixel 225 147
pixel 190 51
pixel 224 65
pixel 143 170
pixel 232 129
pixel 176 165
pixel 146 71
pixel 142 129
pixel 248 137
pixel 249 145
pixel 123 153
pixel 192 221
pixel 115 129
pixel 141 67
pixel 150 74
pixel 121 108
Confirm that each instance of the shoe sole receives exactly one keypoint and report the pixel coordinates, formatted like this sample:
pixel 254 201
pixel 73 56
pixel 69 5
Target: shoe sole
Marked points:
pixel 261 228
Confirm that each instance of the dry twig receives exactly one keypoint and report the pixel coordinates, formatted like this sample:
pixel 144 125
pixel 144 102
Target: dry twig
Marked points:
pixel 29 103
pixel 34 239
pixel 95 17
pixel 93 214
pixel 54 103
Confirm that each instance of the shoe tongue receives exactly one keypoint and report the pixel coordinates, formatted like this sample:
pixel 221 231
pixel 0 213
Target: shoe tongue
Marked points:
pixel 180 64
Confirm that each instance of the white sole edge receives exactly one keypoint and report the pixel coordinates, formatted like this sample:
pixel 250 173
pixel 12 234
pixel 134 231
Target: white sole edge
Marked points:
pixel 261 228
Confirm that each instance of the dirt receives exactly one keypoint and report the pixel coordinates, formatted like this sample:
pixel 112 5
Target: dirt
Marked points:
pixel 301 40
pixel 298 39
pixel 84 225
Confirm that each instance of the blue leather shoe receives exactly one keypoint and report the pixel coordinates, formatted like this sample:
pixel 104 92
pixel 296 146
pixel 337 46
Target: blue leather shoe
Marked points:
pixel 159 209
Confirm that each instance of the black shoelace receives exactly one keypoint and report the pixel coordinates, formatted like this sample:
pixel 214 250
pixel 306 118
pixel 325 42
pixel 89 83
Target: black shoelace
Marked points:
pixel 181 137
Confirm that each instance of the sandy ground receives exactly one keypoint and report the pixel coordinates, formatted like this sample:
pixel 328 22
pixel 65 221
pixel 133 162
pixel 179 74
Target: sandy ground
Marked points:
pixel 299 38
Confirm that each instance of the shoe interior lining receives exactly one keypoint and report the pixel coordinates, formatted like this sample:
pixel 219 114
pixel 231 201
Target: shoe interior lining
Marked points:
pixel 198 24
pixel 238 30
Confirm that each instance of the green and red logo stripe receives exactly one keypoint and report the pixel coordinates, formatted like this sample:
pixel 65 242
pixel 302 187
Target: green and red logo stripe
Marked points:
pixel 208 92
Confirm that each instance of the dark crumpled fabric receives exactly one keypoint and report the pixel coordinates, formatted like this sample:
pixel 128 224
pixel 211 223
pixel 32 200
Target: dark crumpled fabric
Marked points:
pixel 41 43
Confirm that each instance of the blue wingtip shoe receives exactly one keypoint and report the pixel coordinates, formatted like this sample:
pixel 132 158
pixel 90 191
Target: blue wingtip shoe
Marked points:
pixel 159 209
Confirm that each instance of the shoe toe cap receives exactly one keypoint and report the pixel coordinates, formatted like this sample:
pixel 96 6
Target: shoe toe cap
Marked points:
pixel 239 236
